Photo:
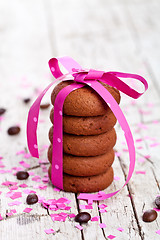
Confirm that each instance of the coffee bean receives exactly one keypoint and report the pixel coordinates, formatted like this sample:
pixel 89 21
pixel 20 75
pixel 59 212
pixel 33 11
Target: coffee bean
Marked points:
pixel 149 215
pixel 82 217
pixel 26 100
pixel 157 201
pixel 2 111
pixel 32 198
pixel 13 130
pixel 44 106
pixel 21 175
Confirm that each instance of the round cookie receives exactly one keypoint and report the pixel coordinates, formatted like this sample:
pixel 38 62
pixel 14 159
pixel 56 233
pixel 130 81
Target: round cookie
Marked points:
pixel 86 184
pixel 87 125
pixel 87 145
pixel 85 166
pixel 84 101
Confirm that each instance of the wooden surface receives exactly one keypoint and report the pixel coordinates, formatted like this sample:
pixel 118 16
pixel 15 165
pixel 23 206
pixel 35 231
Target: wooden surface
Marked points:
pixel 119 35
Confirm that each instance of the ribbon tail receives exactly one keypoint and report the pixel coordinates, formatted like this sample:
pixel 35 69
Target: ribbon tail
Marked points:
pixel 57 152
pixel 32 123
pixel 107 97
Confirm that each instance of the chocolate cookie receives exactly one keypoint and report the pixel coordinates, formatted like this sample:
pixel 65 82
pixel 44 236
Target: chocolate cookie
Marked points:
pixel 86 184
pixel 87 125
pixel 84 101
pixel 85 166
pixel 87 145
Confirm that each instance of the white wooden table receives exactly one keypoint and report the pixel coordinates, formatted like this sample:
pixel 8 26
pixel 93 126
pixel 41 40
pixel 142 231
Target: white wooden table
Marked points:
pixel 117 35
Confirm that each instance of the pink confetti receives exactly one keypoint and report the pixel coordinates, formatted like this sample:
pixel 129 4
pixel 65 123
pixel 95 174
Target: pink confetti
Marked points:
pixel 13 187
pixel 27 210
pixel 23 185
pixel 111 236
pixel 154 144
pixel 120 229
pixel 56 189
pixel 27 155
pixel 102 210
pixel 16 195
pixel 24 164
pixel 125 150
pixel 139 147
pixel 63 200
pixel 139 140
pixel 116 178
pixel 31 173
pixel 1 218
pixel 20 152
pixel 85 206
pixel 102 225
pixel 102 206
pixel 147 156
pixel 158 232
pixel 67 208
pixel 9 183
pixel 14 203
pixel 79 226
pixel 142 126
pixel 144 112
pixel 141 159
pixel 49 231
pixel 118 154
pixel 140 172
pixel 9 214
pixel 28 191
pixel 95 219
pixel 1 118
pixel 155 121
pixel 36 178
pixel 13 210
pixel 72 215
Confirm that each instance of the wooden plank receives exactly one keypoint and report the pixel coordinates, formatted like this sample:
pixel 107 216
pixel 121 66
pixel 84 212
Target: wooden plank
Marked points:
pixel 26 64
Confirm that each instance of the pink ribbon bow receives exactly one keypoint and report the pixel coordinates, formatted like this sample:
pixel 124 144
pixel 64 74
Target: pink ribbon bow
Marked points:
pixel 81 77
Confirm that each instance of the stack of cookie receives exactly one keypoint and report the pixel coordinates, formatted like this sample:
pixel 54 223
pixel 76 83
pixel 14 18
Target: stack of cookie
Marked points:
pixel 88 139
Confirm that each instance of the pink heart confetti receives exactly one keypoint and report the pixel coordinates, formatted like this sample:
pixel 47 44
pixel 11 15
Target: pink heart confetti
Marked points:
pixel 16 195
pixel 24 164
pixel 102 225
pixel 102 206
pixel 140 172
pixel 28 191
pixel 95 219
pixel 20 152
pixel 72 215
pixel 158 232
pixel 79 226
pixel 120 229
pixel 141 159
pixel 1 218
pixel 111 236
pixel 27 210
pixel 102 210
pixel 49 231
pixel 23 185
pixel 14 203
pixel 116 178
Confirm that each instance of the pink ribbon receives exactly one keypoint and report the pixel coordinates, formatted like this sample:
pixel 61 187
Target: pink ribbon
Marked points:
pixel 81 77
